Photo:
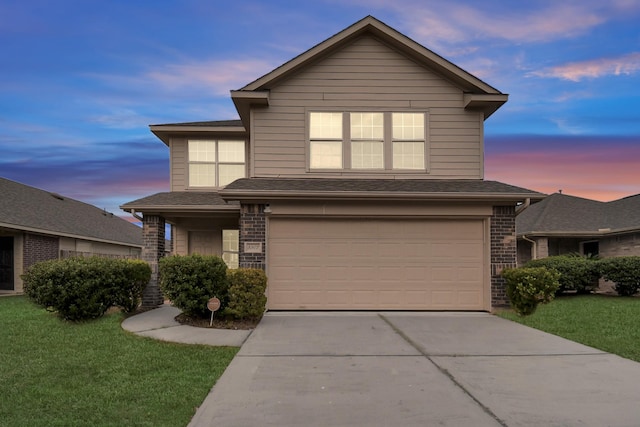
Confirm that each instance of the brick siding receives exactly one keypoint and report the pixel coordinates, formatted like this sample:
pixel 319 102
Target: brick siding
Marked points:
pixel 39 248
pixel 153 240
pixel 252 229
pixel 503 251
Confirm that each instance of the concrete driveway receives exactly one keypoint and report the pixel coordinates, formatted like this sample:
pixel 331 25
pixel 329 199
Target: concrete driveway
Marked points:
pixel 418 369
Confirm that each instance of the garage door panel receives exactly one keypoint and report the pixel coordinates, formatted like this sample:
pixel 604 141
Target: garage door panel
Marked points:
pixel 376 264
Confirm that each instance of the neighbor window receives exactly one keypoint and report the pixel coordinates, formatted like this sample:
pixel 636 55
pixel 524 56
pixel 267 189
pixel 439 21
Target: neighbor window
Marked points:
pixel 325 139
pixel 215 163
pixel 408 140
pixel 367 140
pixel 231 248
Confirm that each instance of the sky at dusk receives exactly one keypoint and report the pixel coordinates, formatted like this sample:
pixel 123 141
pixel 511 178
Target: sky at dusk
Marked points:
pixel 80 81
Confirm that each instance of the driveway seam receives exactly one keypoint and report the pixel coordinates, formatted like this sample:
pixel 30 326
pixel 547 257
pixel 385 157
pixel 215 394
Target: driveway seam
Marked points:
pixel 445 372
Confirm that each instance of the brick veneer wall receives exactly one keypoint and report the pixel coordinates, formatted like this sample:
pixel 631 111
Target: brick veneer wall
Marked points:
pixel 153 249
pixel 252 229
pixel 503 250
pixel 39 248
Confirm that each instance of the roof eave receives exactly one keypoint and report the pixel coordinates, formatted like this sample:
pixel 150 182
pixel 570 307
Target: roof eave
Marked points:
pixel 165 132
pixel 246 195
pixel 179 208
pixel 244 100
pixel 487 103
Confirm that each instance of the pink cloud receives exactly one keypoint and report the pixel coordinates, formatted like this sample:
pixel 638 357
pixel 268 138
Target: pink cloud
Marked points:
pixel 606 173
pixel 594 68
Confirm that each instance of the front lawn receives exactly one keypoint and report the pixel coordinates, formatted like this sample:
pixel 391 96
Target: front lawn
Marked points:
pixel 55 373
pixel 605 322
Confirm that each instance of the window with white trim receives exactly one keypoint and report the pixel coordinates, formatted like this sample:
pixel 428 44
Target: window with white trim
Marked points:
pixel 362 141
pixel 215 163
pixel 231 248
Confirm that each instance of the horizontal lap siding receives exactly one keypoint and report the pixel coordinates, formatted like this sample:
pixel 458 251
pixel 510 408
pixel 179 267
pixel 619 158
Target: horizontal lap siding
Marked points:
pixel 367 75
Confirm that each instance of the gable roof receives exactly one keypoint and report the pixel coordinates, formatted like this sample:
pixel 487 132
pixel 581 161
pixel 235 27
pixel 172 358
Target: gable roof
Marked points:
pixel 396 189
pixel 31 209
pixel 564 215
pixel 478 94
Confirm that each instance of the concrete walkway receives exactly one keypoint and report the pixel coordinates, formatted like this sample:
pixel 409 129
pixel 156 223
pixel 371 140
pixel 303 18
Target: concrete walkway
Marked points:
pixel 160 324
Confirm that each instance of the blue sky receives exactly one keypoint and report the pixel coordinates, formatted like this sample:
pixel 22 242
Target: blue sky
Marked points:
pixel 80 81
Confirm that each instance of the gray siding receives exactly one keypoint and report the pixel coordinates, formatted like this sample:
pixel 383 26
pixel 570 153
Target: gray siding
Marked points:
pixel 362 76
pixel 178 164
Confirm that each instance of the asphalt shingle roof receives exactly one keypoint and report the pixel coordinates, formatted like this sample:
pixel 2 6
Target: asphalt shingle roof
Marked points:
pixel 376 185
pixel 28 207
pixel 561 213
pixel 179 198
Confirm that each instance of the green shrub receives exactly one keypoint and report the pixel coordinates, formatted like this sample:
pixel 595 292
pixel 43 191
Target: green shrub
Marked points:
pixel 624 272
pixel 529 286
pixel 247 298
pixel 577 273
pixel 85 288
pixel 190 281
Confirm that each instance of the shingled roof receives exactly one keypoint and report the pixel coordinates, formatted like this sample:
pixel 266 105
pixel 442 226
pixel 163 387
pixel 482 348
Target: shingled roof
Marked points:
pixel 31 209
pixel 246 188
pixel 561 214
pixel 201 200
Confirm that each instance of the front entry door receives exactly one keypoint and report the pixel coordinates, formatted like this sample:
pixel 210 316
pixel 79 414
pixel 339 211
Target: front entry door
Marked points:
pixel 6 263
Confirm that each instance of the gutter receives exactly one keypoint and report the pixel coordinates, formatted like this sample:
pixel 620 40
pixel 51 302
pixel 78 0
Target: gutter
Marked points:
pixel 524 206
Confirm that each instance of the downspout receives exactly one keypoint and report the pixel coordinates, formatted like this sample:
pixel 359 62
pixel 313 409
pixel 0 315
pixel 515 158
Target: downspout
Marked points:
pixel 135 215
pixel 534 247
pixel 525 205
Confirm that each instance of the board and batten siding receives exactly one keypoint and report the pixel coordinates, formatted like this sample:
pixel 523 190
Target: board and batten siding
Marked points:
pixel 367 75
pixel 178 164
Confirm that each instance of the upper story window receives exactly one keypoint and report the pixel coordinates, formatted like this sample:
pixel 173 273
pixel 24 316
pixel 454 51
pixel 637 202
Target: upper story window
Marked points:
pixel 325 140
pixel 367 140
pixel 215 163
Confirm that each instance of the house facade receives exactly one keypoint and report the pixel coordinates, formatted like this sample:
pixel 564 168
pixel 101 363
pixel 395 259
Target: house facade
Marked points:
pixel 36 225
pixel 563 224
pixel 354 177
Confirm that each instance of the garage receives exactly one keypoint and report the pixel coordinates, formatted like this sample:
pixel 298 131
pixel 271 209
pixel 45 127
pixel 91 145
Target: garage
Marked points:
pixel 377 264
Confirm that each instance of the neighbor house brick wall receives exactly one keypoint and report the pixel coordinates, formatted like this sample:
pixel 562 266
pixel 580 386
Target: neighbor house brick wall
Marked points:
pixel 252 230
pixel 503 250
pixel 621 245
pixel 153 240
pixel 39 248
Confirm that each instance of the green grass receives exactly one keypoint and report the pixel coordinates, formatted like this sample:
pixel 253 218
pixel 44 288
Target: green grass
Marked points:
pixel 55 373
pixel 605 322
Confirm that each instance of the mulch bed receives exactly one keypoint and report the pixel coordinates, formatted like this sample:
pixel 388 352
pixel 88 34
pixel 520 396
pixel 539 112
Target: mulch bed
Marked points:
pixel 217 323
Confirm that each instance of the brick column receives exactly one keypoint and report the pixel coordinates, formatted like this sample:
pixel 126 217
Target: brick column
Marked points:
pixel 503 250
pixel 153 250
pixel 252 230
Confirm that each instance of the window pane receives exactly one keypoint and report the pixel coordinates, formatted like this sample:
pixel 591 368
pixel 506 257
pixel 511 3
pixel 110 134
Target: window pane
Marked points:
pixel 367 126
pixel 408 126
pixel 367 154
pixel 325 155
pixel 408 155
pixel 231 151
pixel 229 173
pixel 232 260
pixel 230 241
pixel 202 151
pixel 202 175
pixel 325 125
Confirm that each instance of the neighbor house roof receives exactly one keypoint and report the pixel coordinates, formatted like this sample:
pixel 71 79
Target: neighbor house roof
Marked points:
pixel 564 215
pixel 31 209
pixel 408 189
pixel 477 94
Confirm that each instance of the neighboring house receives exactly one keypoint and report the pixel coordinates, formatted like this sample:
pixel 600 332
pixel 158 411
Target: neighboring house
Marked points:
pixel 36 225
pixel 562 224
pixel 354 177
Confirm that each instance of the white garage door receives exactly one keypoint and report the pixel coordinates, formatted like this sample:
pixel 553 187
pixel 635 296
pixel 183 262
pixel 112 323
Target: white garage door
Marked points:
pixel 360 264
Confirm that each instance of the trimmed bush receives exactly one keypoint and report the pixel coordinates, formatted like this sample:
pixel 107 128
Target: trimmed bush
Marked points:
pixel 529 286
pixel 247 298
pixel 85 288
pixel 577 273
pixel 190 281
pixel 624 272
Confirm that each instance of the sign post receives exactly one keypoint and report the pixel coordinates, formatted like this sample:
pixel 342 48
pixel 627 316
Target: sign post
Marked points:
pixel 213 305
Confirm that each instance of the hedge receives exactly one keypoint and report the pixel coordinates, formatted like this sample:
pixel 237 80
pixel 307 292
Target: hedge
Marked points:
pixel 247 298
pixel 577 273
pixel 529 286
pixel 85 288
pixel 624 272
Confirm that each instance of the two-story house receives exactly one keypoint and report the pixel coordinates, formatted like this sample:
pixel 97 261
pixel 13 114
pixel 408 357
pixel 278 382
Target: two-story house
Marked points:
pixel 354 177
